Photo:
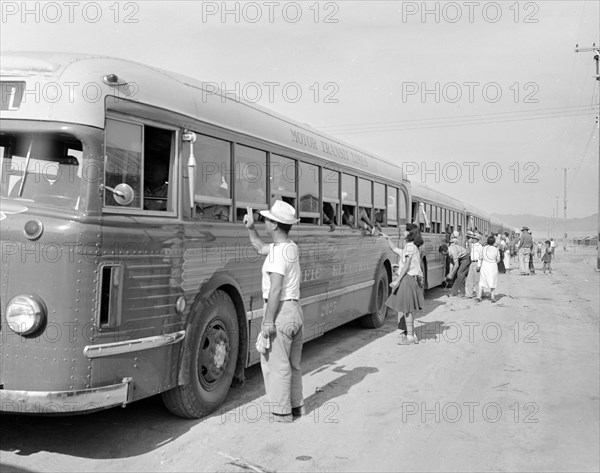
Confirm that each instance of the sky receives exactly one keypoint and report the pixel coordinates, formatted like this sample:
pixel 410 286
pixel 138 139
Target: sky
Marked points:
pixel 485 101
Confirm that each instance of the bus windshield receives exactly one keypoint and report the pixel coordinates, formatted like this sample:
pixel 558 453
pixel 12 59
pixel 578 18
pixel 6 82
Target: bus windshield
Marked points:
pixel 41 167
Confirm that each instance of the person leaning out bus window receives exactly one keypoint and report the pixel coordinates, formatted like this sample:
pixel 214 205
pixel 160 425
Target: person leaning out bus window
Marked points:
pixel 283 319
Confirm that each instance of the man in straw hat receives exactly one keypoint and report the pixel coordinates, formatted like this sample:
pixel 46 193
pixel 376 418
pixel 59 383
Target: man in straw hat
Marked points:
pixel 476 249
pixel 459 266
pixel 283 319
pixel 525 245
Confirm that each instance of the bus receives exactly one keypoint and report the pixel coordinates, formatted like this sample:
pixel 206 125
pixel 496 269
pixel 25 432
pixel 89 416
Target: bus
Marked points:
pixel 439 215
pixel 126 269
pixel 499 227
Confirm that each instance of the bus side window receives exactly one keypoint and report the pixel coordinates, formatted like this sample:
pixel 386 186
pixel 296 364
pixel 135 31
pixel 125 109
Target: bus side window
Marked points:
pixel 365 200
pixel 379 217
pixel 349 200
pixel 283 179
pixel 158 169
pixel 250 181
pixel 331 197
pixel 308 186
pixel 212 195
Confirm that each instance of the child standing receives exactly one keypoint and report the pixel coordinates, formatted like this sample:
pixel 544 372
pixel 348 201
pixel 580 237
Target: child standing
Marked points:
pixel 408 296
pixel 547 258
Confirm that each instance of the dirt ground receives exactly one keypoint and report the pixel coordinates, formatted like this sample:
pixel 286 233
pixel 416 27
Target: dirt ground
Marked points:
pixel 511 386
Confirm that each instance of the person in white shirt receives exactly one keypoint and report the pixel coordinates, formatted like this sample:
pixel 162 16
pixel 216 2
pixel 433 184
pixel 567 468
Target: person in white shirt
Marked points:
pixel 283 319
pixel 472 281
pixel 488 265
pixel 408 296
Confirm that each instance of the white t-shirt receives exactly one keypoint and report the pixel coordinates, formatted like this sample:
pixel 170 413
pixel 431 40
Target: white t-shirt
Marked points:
pixel 284 259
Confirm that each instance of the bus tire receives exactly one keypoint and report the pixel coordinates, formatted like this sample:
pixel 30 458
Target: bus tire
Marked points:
pixel 381 290
pixel 213 349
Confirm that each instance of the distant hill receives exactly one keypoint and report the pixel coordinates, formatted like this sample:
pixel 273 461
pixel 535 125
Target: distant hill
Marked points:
pixel 575 226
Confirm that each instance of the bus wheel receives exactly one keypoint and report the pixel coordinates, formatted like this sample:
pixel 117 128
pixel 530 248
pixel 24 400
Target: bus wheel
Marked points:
pixel 381 292
pixel 213 350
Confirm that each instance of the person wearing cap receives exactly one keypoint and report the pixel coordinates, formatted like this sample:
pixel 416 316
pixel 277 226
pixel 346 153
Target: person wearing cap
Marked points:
pixel 525 245
pixel 472 282
pixel 459 266
pixel 283 319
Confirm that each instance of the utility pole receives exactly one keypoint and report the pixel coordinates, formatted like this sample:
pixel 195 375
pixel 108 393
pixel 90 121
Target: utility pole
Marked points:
pixel 554 230
pixel 565 211
pixel 596 50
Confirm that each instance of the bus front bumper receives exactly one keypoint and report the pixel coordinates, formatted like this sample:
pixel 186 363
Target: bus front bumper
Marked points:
pixel 64 402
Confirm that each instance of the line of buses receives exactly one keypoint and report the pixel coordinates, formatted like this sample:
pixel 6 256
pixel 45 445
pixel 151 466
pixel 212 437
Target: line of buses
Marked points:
pixel 126 271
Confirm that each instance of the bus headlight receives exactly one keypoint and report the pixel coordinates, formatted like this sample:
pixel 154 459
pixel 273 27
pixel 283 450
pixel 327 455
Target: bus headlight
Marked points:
pixel 25 314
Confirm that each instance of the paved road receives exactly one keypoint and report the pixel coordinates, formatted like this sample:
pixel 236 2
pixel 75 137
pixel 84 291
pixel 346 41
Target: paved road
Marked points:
pixel 511 386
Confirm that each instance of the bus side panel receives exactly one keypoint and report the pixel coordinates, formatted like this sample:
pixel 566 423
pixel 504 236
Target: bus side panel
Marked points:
pixel 436 262
pixel 147 251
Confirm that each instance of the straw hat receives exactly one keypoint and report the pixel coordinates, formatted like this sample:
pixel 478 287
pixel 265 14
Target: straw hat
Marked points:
pixel 281 212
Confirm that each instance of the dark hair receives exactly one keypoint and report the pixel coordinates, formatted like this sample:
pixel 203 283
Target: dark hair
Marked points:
pixel 505 233
pixel 443 248
pixel 411 226
pixel 415 236
pixel 285 227
pixel 547 242
pixel 491 240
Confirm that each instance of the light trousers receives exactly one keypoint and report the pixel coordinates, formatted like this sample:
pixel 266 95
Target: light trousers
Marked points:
pixel 281 363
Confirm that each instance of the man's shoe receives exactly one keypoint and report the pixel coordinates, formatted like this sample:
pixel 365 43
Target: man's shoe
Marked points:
pixel 297 411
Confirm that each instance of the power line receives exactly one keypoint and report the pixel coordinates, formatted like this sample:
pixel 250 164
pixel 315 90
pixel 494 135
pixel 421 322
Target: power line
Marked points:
pixel 488 121
pixel 519 113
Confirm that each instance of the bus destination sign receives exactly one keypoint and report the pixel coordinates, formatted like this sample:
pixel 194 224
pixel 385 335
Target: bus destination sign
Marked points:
pixel 11 95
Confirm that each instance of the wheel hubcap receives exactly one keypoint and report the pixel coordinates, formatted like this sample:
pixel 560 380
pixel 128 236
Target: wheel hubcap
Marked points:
pixel 214 355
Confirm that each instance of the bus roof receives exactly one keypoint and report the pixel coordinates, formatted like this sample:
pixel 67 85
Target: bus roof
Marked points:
pixel 421 191
pixel 472 210
pixel 73 88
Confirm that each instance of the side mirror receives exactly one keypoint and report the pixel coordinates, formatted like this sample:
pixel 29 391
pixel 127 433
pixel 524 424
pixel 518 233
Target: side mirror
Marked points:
pixel 122 193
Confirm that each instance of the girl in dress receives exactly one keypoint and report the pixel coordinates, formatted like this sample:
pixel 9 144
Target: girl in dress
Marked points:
pixel 488 267
pixel 408 297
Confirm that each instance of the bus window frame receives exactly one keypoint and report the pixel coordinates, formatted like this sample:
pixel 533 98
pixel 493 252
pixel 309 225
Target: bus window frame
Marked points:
pixel 174 168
